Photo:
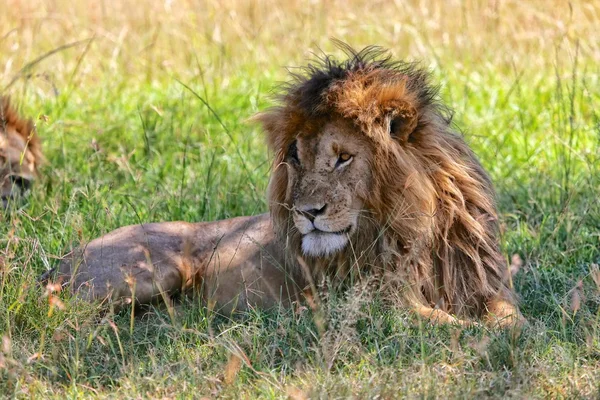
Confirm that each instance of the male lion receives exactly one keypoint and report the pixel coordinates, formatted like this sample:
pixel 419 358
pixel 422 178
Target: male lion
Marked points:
pixel 20 153
pixel 368 177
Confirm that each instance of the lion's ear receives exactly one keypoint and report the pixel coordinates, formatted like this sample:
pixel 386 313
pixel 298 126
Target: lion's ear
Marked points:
pixel 270 120
pixel 267 119
pixel 280 125
pixel 403 120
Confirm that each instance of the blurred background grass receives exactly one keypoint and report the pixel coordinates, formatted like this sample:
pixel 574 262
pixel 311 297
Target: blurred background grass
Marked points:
pixel 126 142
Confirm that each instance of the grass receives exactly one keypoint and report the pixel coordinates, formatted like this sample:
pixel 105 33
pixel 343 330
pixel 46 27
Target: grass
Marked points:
pixel 111 85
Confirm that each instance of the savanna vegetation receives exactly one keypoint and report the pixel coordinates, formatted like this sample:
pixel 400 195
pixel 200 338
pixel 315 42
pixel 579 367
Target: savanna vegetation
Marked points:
pixel 143 110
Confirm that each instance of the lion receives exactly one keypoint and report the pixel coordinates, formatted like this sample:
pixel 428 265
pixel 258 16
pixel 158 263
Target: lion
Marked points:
pixel 20 154
pixel 369 178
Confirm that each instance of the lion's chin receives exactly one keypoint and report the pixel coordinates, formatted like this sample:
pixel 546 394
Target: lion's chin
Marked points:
pixel 321 244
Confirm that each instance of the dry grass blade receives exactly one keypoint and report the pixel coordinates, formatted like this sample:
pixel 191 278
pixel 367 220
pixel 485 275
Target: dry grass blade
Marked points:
pixel 295 393
pixel 576 297
pixel 26 68
pixel 595 274
pixel 232 368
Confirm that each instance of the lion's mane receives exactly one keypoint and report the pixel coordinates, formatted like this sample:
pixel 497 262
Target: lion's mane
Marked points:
pixel 432 204
pixel 24 127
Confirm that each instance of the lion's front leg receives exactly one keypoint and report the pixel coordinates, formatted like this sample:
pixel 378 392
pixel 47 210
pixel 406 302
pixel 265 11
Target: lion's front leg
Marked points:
pixel 502 312
pixel 440 317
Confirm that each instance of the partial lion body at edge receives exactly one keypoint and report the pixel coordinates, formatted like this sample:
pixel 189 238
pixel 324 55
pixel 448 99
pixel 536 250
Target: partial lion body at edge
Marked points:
pixel 20 153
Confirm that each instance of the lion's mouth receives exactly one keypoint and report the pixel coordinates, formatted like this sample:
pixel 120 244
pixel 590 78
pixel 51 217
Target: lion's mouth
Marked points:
pixel 344 231
pixel 318 243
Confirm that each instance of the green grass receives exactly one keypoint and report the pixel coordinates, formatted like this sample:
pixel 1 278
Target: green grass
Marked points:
pixel 126 142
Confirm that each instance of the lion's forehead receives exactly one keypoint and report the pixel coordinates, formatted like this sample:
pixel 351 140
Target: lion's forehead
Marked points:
pixel 331 139
pixel 15 155
pixel 318 180
pixel 13 139
pixel 13 148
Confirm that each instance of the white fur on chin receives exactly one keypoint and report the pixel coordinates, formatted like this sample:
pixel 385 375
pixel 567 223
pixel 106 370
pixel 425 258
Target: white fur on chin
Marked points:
pixel 319 244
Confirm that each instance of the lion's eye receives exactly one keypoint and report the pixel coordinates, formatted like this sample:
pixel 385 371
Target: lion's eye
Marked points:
pixel 292 152
pixel 343 159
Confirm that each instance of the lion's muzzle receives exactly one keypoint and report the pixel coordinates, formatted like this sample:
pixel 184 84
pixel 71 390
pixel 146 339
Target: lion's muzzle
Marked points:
pixel 323 233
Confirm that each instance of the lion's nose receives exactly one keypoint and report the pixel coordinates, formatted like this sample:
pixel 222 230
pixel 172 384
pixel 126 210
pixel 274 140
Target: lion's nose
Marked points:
pixel 23 183
pixel 311 212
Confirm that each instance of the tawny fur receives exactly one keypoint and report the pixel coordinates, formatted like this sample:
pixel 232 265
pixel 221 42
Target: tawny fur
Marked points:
pixel 20 153
pixel 9 117
pixel 407 201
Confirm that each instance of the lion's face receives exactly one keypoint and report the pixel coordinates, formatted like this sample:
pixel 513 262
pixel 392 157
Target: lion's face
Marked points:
pixel 329 178
pixel 19 154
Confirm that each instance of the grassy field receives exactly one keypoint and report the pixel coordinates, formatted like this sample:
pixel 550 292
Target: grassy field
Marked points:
pixel 127 142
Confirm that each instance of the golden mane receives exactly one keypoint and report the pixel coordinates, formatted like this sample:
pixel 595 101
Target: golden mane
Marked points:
pixel 24 127
pixel 434 220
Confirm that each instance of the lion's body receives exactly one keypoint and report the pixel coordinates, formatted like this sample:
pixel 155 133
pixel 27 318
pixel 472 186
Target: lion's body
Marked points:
pixel 20 153
pixel 368 177
pixel 236 264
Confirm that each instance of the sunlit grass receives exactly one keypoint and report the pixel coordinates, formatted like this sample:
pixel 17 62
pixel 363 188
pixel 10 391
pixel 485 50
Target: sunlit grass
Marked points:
pixel 127 142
